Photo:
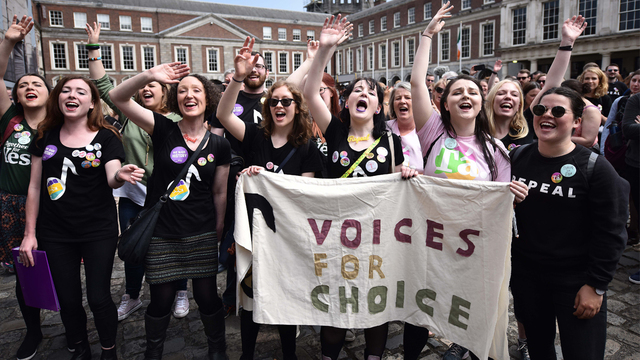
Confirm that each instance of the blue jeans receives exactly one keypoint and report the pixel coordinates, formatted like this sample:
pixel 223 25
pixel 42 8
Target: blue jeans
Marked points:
pixel 133 274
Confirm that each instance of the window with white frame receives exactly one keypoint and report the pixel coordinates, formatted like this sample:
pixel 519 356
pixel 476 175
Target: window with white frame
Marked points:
pixel 489 1
pixel 283 62
pixel 629 15
pixel 127 57
pixel 148 57
pixel 59 55
pixel 268 60
pixel 465 43
pixel 103 20
pixel 550 20
pixel 382 56
pixel 213 60
pixel 181 54
pixel 106 52
pixel 297 61
pixel 588 9
pixel 266 33
pixel 297 35
pixel 146 24
pixel 349 61
pixel 82 57
pixel 487 34
pixel 427 11
pixel 466 4
pixel 79 20
pixel 282 34
pixel 411 15
pixel 125 23
pixel 339 62
pixel 445 49
pixel 358 59
pixel 360 30
pixel 268 83
pixel 372 26
pixel 396 20
pixel 370 58
pixel 395 53
pixel 55 18
pixel 383 23
pixel 311 34
pixel 519 26
pixel 410 49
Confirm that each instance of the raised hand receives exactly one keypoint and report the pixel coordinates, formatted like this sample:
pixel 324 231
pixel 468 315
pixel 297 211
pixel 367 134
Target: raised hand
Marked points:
pixel 17 31
pixel 334 29
pixel 347 34
pixel 572 28
pixel 497 66
pixel 312 48
pixel 244 61
pixel 93 33
pixel 437 22
pixel 170 73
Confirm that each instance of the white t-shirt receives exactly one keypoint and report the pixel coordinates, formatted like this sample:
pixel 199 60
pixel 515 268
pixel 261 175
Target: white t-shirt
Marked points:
pixel 414 145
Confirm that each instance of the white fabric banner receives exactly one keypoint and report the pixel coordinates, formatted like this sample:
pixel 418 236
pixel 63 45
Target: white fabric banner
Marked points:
pixel 356 253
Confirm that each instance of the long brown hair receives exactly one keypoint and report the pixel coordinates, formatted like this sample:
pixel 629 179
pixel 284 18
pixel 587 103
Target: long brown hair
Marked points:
pixel 164 108
pixel 301 132
pixel 95 120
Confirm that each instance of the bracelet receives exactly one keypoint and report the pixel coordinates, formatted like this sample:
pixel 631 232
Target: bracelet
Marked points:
pixel 95 58
pixel 238 81
pixel 115 177
pixel 92 47
pixel 427 36
pixel 566 48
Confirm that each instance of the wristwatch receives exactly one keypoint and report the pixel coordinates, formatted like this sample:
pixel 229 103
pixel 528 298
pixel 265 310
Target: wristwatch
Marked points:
pixel 600 292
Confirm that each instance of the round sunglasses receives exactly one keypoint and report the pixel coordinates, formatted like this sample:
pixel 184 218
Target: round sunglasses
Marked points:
pixel 285 102
pixel 556 111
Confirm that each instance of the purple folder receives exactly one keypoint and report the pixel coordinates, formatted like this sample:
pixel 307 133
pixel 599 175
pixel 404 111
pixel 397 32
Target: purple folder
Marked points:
pixel 36 282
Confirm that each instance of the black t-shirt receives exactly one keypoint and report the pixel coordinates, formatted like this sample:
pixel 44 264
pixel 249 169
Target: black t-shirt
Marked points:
pixel 190 209
pixel 249 109
pixel 341 155
pixel 528 114
pixel 571 227
pixel 261 152
pixel 511 143
pixel 616 89
pixel 76 201
pixel 603 103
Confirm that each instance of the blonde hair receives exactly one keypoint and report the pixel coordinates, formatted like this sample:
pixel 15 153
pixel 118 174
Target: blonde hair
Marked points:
pixel 106 110
pixel 518 123
pixel 603 83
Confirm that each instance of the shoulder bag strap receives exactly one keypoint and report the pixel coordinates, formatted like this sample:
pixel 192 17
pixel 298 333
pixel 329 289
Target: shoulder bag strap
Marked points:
pixel 426 156
pixel 184 170
pixel 364 154
pixel 591 164
pixel 392 150
pixel 285 160
pixel 7 132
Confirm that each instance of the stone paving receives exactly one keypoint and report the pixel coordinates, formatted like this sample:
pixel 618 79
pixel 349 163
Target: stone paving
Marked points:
pixel 186 340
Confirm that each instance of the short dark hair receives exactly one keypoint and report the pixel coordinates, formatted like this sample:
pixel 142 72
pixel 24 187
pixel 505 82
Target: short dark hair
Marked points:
pixel 525 71
pixel 612 64
pixel 14 91
pixel 577 104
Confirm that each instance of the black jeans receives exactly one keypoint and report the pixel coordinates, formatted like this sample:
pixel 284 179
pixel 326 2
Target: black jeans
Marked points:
pixel 64 261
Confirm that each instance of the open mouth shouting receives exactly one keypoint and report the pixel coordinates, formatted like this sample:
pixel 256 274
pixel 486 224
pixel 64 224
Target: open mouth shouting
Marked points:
pixel 190 105
pixel 507 106
pixel 466 106
pixel 361 106
pixel 280 115
pixel 547 125
pixel 71 105
pixel 31 96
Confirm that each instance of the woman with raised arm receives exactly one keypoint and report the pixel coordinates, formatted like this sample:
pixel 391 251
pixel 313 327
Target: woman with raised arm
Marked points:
pixel 138 149
pixel 351 145
pixel 184 243
pixel 282 144
pixel 18 126
pixel 461 145
pixel 76 162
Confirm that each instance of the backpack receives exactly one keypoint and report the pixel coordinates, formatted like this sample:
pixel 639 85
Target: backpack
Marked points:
pixel 615 147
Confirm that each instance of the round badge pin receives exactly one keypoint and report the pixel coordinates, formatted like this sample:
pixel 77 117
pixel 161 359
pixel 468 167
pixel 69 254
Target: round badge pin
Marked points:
pixel 89 147
pixel 86 164
pixel 345 161
pixel 24 140
pixel 17 135
pixel 95 163
pixel 450 143
pixel 556 177
pixel 98 153
pixel 75 153
pixel 25 133
pixel 18 127
pixel 82 154
pixel 335 156
pixel 381 158
pixel 91 156
pixel 372 166
pixel 210 158
pixel 343 154
pixel 370 155
pixel 382 151
pixel 97 146
pixel 511 147
pixel 202 161
pixel 269 165
pixel 568 170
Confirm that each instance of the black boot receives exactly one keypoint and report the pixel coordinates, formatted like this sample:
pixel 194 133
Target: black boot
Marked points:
pixel 82 351
pixel 109 354
pixel 214 329
pixel 156 329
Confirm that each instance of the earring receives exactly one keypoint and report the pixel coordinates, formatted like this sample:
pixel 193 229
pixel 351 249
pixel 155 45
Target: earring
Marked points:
pixel 346 106
pixel 377 111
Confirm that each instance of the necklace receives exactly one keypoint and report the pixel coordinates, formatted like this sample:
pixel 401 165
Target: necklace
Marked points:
pixel 356 139
pixel 188 138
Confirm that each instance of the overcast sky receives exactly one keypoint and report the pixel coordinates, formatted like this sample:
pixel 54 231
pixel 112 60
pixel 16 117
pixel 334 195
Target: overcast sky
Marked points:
pixel 295 5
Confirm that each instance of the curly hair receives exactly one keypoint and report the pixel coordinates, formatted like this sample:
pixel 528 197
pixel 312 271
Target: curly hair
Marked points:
pixel 165 94
pixel 211 92
pixel 379 119
pixel 301 131
pixel 603 83
pixel 517 124
pixel 54 117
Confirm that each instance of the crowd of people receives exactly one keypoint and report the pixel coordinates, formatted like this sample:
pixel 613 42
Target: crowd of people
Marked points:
pixel 67 157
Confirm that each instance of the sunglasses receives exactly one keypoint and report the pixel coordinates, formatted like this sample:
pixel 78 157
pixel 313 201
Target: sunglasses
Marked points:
pixel 613 70
pixel 556 111
pixel 541 82
pixel 285 102
pixel 523 78
pixel 439 90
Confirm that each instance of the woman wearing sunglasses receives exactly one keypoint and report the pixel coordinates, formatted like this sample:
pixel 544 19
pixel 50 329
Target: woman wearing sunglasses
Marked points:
pixel 561 270
pixel 282 143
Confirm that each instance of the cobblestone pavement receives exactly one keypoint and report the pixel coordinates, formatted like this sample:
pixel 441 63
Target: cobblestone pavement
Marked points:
pixel 186 340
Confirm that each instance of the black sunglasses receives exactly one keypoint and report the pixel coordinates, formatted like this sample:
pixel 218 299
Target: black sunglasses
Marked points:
pixel 439 90
pixel 285 102
pixel 556 111
pixel 523 78
pixel 541 82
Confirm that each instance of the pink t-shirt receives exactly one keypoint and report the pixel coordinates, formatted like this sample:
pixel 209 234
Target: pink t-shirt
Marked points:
pixel 463 159
pixel 413 147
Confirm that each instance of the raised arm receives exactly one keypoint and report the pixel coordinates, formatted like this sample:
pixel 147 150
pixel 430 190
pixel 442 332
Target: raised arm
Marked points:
pixel 16 32
pixel 96 68
pixel 571 29
pixel 422 108
pixel 333 31
pixel 298 76
pixel 497 66
pixel 121 94
pixel 243 64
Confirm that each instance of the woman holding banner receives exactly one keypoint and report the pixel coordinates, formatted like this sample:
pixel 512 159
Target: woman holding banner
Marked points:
pixel 352 142
pixel 462 131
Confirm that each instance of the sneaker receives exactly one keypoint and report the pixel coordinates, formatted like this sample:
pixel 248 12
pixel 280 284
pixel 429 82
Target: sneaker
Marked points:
pixel 455 352
pixel 8 267
pixel 182 305
pixel 635 278
pixel 350 336
pixel 29 347
pixel 523 349
pixel 128 306
pixel 229 310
